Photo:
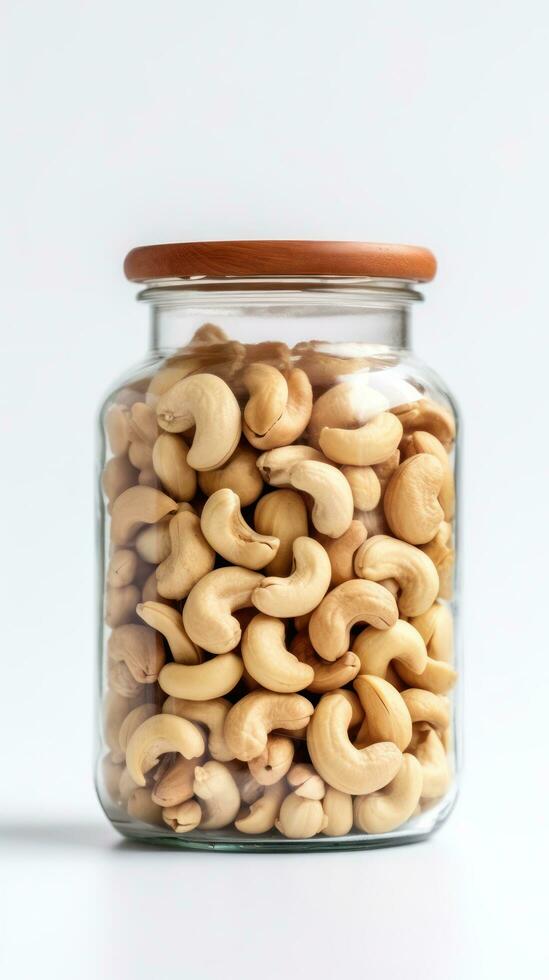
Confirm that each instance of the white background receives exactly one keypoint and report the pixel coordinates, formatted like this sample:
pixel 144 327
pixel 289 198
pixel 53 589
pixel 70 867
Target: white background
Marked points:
pixel 128 123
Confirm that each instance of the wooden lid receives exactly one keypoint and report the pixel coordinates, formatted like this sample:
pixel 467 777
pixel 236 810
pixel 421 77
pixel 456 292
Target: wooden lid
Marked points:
pixel 280 258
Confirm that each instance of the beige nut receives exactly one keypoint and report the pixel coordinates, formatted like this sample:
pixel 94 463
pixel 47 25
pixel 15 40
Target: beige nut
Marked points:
pixel 132 721
pixel 441 553
pixel 400 643
pixel 437 629
pixel 190 558
pixel 305 781
pixel 137 506
pixel 117 427
pixel 142 424
pixel 385 470
pixel 239 474
pixel 333 501
pixel 365 486
pixel 341 551
pixel 383 557
pixel 207 614
pixel 122 568
pixel 121 680
pixel 140 455
pixel 393 805
pixel 300 818
pixel 282 514
pixel 267 659
pixel 141 807
pixel 338 810
pixel 254 717
pixel 411 499
pixel 175 786
pixel 294 418
pixel 427 416
pixel 430 753
pixel 183 818
pixel 170 464
pixel 336 759
pixel 326 676
pixel 206 402
pixel 276 464
pixel 350 603
pixel 153 543
pixel 387 716
pixel 212 714
pixel 202 682
pixel 140 648
pixel 438 676
pixel 218 793
pixel 228 533
pixel 262 812
pixel 167 620
pixel 304 588
pixel 157 735
pixel 274 762
pixel 424 706
pixel 424 442
pixel 148 478
pixel 118 475
pixel 346 406
pixel 268 395
pixel 372 443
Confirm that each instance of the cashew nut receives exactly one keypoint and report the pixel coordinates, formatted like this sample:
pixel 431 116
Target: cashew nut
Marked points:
pixel 303 589
pixel 387 716
pixel 262 812
pixel 371 443
pixel 251 720
pixel 183 818
pixel 411 499
pixel 159 734
pixel 276 464
pixel 293 419
pixel 227 532
pixel 430 754
pixel 268 391
pixel 207 612
pixel 216 788
pixel 350 603
pixel 140 455
pixel 300 818
pixel 175 786
pixel 202 682
pixel 274 762
pixel 282 514
pixel 153 543
pixel 401 642
pixel 121 680
pixel 267 659
pixel 341 551
pixel 338 810
pixel 327 676
pixel 333 500
pixel 438 676
pixel 239 474
pixel 140 648
pixel 170 464
pixel 166 620
pixel 190 558
pixel 132 721
pixel 393 805
pixel 424 442
pixel 122 568
pixel 441 553
pixel 424 706
pixel 429 417
pixel 343 766
pixel 118 475
pixel 306 782
pixel 137 506
pixel 384 557
pixel 345 405
pixel 206 402
pixel 212 714
pixel 365 486
pixel 437 629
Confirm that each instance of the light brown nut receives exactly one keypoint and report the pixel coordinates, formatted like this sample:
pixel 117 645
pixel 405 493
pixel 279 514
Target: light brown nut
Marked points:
pixel 118 475
pixel 427 416
pixel 430 753
pixel 158 735
pixel 304 588
pixel 135 507
pixel 169 623
pixel 438 676
pixel 294 418
pixel 202 682
pixel 424 706
pixel 424 442
pixel 441 553
pixel 300 818
pixel 149 592
pixel 175 786
pixel 411 499
pixel 377 649
pixel 268 395
pixel 190 558
pixel 365 486
pixel 333 501
pixel 132 721
pixel 206 402
pixel 276 464
pixel 283 515
pixel 345 406
pixel 256 715
pixel 239 474
pixel 437 629
pixel 341 551
pixel 208 333
pixel 140 648
pixel 338 810
pixel 169 459
pixel 372 443
pixel 263 811
pixel 268 352
pixel 267 659
pixel 390 807
pixel 212 714
pixel 274 762
pixel 140 454
pixel 121 680
pixel 153 543
pixel 387 716
pixel 228 533
pixel 148 478
pixel 141 807
pixel 183 818
pixel 383 557
pixel 207 614
pixel 117 427
pixel 336 759
pixel 345 606
pixel 306 782
pixel 122 568
pixel 120 605
pixel 326 676
pixel 218 793
pixel 142 424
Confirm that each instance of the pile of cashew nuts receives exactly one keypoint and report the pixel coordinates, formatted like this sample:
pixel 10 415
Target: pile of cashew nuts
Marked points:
pixel 280 565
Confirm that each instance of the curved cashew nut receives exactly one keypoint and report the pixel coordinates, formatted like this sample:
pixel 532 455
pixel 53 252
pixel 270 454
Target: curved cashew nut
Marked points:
pixel 215 786
pixel 338 810
pixel 437 629
pixel 170 464
pixel 283 514
pixel 140 649
pixel 426 415
pixel 212 714
pixel 274 762
pixel 207 612
pixel 434 763
pixel 335 758
pixel 370 444
pixel 303 589
pixel 132 721
pixel 167 620
pixel 392 806
pixel 137 506
pixel 350 603
pixel 183 818
pixel 326 676
pixel 365 486
pixel 268 391
pixel 300 818
pixel 122 568
pixel 206 402
pixel 202 682
pixel 175 786
pixel 383 557
pixel 437 677
pixel 424 706
pixel 227 532
pixel 294 418
pixel 424 442
pixel 239 474
pixel 159 734
pixel 254 717
pixel 387 716
pixel 345 406
pixel 306 782
pixel 276 464
pixel 267 659
pixel 262 812
pixel 377 648
pixel 341 551
pixel 411 499
pixel 333 500
pixel 190 558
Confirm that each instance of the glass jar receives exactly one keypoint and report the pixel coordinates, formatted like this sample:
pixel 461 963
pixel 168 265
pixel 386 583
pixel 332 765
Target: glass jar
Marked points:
pixel 277 530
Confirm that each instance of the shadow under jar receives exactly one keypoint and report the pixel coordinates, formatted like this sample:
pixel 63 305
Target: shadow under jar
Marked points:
pixel 277 544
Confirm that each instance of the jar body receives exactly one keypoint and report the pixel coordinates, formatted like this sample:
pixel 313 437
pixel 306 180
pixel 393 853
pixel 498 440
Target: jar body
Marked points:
pixel 257 693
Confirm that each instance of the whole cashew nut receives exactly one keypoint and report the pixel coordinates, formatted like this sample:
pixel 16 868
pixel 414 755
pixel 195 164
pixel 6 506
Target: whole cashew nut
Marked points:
pixel 202 682
pixel 268 391
pixel 274 762
pixel 190 558
pixel 302 591
pixel 206 402
pixel 267 659
pixel 262 812
pixel 137 506
pixel 254 717
pixel 216 788
pixel 426 415
pixel 239 474
pixel 276 464
pixel 372 443
pixel 382 557
pixel 227 532
pixel 333 500
pixel 294 418
pixel 157 735
pixel 212 714
pixel 393 805
pixel 350 603
pixel 282 514
pixel 387 716
pixel 424 706
pixel 167 621
pixel 424 442
pixel 378 648
pixel 411 499
pixel 207 612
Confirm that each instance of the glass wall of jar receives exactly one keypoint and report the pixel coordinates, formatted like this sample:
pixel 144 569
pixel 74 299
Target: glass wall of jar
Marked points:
pixel 277 540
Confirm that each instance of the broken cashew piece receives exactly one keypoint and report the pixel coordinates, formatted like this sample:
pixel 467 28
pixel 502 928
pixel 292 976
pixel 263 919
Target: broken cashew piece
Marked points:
pixel 350 603
pixel 206 402
pixel 302 591
pixel 202 682
pixel 254 717
pixel 267 659
pixel 207 613
pixel 333 500
pixel 306 782
pixel 157 735
pixel 226 531
pixel 383 557
pixel 212 714
pixel 218 792
pixel 393 805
